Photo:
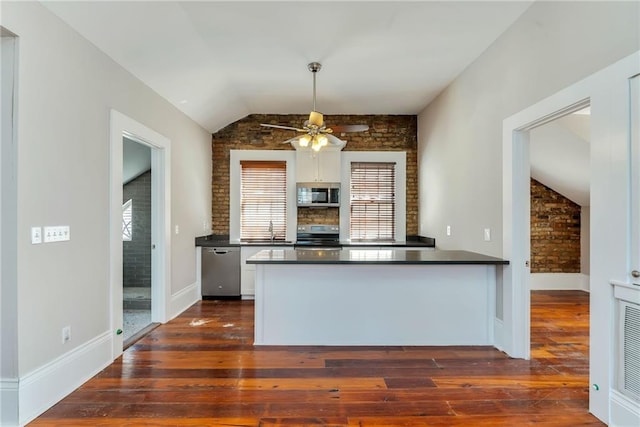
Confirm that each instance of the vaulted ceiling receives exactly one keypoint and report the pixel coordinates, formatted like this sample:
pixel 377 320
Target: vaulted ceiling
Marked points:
pixel 220 61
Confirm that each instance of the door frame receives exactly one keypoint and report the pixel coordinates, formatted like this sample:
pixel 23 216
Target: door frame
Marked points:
pixel 516 215
pixel 608 93
pixel 121 126
pixel 9 374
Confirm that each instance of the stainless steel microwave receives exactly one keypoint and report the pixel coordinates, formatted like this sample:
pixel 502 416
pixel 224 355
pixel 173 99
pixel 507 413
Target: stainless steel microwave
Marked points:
pixel 318 194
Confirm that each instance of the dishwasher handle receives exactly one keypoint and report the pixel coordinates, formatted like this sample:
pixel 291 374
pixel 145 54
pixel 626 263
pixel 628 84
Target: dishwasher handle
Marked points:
pixel 216 251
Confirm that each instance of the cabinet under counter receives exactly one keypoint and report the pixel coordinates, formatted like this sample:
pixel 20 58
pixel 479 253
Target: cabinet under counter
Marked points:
pixel 374 297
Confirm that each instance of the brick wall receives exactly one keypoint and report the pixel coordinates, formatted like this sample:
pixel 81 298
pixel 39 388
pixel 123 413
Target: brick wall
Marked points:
pixel 555 231
pixel 136 256
pixel 386 133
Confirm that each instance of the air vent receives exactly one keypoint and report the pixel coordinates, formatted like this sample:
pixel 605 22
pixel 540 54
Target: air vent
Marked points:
pixel 629 377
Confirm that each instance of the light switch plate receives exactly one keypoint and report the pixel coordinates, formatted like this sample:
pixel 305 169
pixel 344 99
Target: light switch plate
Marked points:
pixel 487 234
pixel 58 233
pixel 36 235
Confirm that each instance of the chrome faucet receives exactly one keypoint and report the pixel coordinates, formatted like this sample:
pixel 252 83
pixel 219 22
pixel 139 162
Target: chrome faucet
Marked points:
pixel 271 230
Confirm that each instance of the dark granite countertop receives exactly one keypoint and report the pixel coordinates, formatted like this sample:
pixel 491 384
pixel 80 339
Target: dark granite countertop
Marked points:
pixel 411 242
pixel 216 240
pixel 388 256
pixel 223 241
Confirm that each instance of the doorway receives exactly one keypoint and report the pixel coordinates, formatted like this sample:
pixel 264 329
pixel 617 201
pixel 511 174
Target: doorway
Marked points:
pixel 560 159
pixel 137 205
pixel 513 329
pixel 123 127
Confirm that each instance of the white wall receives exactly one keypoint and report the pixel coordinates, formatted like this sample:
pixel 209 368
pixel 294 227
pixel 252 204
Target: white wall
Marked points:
pixel 66 90
pixel 551 46
pixel 560 160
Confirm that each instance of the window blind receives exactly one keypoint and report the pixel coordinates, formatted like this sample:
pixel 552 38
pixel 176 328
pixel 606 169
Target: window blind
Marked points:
pixel 263 200
pixel 372 201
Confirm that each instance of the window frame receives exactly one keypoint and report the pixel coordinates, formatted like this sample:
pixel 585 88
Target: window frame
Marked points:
pixel 263 201
pixel 127 206
pixel 376 197
pixel 397 157
pixel 235 179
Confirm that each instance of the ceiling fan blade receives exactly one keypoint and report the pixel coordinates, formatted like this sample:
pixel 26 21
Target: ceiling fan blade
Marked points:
pixel 334 140
pixel 282 127
pixel 350 128
pixel 291 140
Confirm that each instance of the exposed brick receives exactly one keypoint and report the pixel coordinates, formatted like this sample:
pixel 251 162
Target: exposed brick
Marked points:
pixel 555 231
pixel 136 256
pixel 386 133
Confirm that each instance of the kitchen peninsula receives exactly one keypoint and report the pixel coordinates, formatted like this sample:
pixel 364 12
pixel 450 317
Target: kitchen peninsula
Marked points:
pixel 383 296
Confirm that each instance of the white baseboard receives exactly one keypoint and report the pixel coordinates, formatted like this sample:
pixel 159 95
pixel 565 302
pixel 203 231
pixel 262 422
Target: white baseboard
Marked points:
pixel 184 299
pixel 9 402
pixel 41 389
pixel 624 412
pixel 498 334
pixel 559 281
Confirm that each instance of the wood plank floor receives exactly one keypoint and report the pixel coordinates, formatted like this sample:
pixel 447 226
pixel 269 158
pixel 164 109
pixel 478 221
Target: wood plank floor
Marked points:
pixel 201 369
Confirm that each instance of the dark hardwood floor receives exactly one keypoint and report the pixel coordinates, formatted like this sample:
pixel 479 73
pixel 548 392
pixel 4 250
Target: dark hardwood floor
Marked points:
pixel 201 369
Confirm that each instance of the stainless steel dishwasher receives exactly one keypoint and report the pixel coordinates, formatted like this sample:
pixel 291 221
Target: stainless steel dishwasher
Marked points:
pixel 221 272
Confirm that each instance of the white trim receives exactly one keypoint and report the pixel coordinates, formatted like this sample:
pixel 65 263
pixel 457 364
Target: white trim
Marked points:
pixel 498 326
pixel 235 157
pixel 161 227
pixel 42 388
pixel 199 271
pixel 9 389
pixel 559 281
pixel 516 210
pixel 122 125
pixel 603 90
pixel 183 299
pixel 400 159
pixel 9 228
pixel 624 412
pixel 515 244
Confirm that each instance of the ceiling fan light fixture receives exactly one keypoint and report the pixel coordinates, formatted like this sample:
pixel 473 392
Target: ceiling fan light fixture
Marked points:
pixel 304 140
pixel 315 145
pixel 315 131
pixel 322 140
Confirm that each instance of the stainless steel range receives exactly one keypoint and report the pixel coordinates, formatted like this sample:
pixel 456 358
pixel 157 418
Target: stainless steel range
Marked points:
pixel 317 236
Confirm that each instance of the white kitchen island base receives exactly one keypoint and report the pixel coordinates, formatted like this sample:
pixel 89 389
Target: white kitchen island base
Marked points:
pixel 372 304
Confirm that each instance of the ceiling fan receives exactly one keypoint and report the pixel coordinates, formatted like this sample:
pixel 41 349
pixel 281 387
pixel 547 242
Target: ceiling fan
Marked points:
pixel 315 130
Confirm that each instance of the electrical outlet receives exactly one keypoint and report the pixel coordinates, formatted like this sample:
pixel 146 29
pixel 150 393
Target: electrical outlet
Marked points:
pixel 177 229
pixel 66 334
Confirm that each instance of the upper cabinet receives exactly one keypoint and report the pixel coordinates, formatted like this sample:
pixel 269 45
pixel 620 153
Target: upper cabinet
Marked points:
pixel 323 166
